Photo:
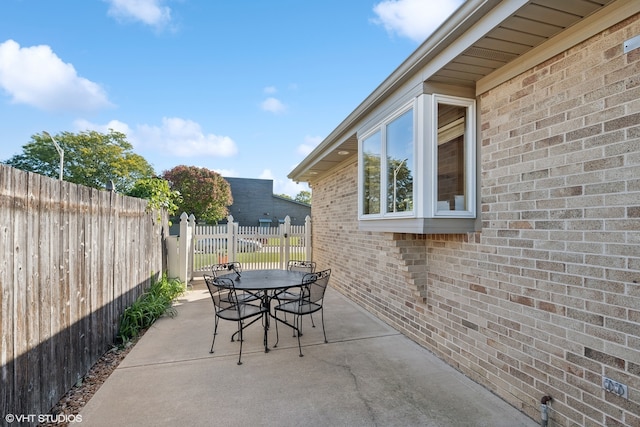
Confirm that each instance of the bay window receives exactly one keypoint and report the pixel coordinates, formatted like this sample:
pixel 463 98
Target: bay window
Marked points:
pixel 417 167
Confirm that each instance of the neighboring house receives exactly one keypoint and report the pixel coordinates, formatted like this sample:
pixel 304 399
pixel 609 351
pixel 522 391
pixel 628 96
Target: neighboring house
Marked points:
pixel 254 204
pixel 485 201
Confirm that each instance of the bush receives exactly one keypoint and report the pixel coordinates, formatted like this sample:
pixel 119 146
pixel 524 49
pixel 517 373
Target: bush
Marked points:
pixel 150 306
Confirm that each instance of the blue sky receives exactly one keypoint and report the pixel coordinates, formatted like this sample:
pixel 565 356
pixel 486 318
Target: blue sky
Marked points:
pixel 245 88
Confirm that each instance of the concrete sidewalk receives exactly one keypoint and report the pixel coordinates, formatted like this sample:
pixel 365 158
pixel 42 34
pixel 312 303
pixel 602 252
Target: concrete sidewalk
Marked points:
pixel 367 375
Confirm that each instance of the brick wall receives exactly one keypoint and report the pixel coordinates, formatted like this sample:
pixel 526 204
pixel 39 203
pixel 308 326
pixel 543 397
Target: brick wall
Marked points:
pixel 545 299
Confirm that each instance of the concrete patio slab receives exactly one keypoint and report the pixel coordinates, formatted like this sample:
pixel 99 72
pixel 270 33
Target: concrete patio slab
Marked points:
pixel 367 375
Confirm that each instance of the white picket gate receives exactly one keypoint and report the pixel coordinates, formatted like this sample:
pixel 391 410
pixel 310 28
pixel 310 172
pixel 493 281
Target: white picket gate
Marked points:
pixel 202 246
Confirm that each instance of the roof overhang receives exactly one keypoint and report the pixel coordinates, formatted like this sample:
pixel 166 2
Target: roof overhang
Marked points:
pixel 481 45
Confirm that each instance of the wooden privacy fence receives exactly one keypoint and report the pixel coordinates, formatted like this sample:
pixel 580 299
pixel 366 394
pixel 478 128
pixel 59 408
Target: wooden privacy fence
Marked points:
pixel 202 246
pixel 72 259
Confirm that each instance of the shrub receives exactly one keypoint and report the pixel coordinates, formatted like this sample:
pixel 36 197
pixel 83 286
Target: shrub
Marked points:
pixel 150 306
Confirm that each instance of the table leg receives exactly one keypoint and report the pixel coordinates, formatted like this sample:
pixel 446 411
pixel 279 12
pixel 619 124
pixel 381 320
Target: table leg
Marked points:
pixel 266 303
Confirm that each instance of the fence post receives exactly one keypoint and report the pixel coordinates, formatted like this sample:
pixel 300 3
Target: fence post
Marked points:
pixel 307 238
pixel 287 240
pixel 183 248
pixel 232 233
pixel 192 247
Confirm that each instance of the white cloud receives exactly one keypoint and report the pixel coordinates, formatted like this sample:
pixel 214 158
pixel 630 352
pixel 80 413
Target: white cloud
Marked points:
pixel 266 174
pixel 310 142
pixel 149 12
pixel 231 173
pixel 35 76
pixel 84 125
pixel 289 187
pixel 281 186
pixel 175 137
pixel 414 19
pixel 273 105
pixel 184 138
pixel 270 89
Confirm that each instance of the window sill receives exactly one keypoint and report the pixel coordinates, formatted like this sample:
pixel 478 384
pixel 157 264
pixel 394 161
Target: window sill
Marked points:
pixel 420 225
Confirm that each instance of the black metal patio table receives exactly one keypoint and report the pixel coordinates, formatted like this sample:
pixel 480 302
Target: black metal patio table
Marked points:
pixel 265 283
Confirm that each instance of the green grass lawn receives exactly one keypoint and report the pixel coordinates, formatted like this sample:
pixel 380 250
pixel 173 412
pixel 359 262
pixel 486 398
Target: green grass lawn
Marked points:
pixel 265 256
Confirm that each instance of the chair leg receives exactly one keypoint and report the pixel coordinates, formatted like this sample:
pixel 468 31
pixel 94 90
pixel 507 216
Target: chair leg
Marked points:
pixel 240 335
pixel 242 325
pixel 298 323
pixel 275 314
pixel 323 331
pixel 236 333
pixel 266 349
pixel 215 332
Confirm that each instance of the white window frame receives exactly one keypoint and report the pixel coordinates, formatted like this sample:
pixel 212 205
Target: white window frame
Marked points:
pixel 382 128
pixel 425 217
pixel 469 160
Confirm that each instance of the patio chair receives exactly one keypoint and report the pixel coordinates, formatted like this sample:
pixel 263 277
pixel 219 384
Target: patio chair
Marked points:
pixel 304 266
pixel 227 307
pixel 294 294
pixel 228 268
pixel 311 300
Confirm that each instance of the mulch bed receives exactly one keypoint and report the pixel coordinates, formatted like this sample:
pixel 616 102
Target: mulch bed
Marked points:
pixel 74 400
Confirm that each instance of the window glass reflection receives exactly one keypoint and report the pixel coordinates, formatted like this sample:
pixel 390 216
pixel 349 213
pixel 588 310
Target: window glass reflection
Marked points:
pixel 399 139
pixel 451 157
pixel 371 151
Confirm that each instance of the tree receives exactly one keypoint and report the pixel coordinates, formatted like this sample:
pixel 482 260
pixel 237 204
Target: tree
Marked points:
pixel 303 197
pixel 399 186
pixel 158 193
pixel 205 193
pixel 371 183
pixel 90 158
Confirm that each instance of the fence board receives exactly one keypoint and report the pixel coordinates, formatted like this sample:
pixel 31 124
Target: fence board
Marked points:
pixel 32 288
pixel 20 345
pixel 64 358
pixel 6 290
pixel 47 270
pixel 93 302
pixel 71 259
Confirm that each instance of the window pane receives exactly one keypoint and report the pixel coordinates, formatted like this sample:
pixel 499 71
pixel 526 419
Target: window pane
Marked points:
pixel 371 153
pixel 399 163
pixel 451 168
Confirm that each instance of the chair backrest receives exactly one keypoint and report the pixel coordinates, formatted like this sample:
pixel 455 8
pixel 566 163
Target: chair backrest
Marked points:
pixel 316 286
pixel 222 291
pixel 304 266
pixel 219 270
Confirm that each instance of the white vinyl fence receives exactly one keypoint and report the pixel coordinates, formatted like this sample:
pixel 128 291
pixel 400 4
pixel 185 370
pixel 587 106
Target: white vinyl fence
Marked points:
pixel 202 246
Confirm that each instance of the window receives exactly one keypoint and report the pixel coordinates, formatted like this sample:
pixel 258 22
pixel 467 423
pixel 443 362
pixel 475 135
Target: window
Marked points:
pixel 399 155
pixel 417 168
pixel 371 148
pixel 455 154
pixel 387 187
